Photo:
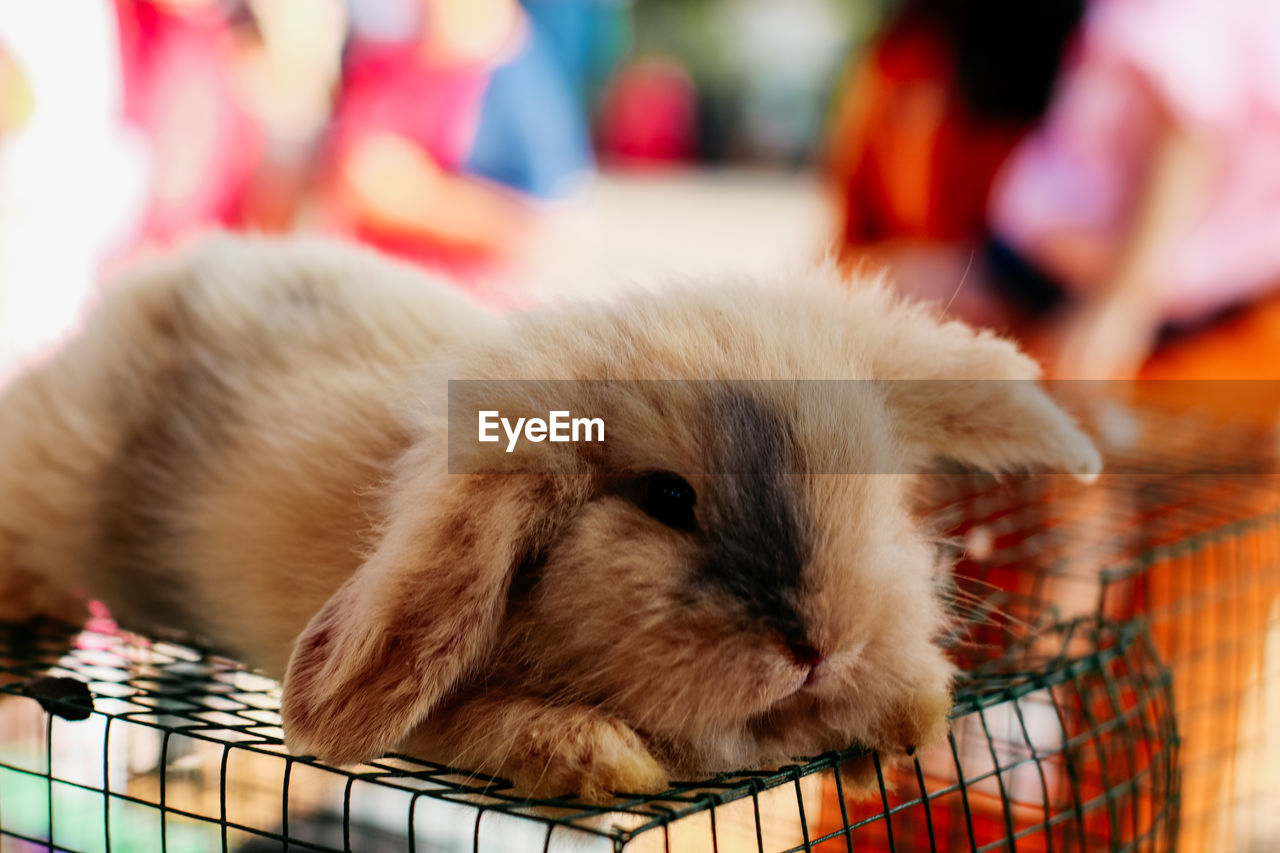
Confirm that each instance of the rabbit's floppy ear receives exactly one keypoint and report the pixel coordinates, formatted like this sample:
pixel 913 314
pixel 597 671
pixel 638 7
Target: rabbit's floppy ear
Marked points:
pixel 419 614
pixel 973 397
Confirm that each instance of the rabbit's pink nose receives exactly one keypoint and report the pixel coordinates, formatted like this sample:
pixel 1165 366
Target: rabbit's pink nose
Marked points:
pixel 805 654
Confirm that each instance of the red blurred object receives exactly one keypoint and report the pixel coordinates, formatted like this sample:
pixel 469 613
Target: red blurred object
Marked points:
pixel 181 91
pixel 392 88
pixel 909 159
pixel 650 115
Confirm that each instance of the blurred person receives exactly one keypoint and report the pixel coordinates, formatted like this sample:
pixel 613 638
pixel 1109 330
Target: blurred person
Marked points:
pixel 923 122
pixel 932 108
pixel 1144 206
pixel 586 39
pixel 456 146
pixel 183 94
pixel 147 135
pixel 72 180
pixel 1149 198
pixel 16 102
pixel 1144 202
pixel 290 64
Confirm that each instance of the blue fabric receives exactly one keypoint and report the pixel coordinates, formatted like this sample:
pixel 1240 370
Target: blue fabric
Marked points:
pixel 586 37
pixel 532 133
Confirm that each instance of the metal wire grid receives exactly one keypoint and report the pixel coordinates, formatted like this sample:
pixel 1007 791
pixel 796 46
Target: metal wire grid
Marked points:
pixel 1041 561
pixel 1065 752
pixel 1185 539
pixel 1089 760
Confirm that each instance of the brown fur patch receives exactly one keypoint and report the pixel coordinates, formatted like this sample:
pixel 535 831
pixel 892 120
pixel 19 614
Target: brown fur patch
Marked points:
pixel 143 491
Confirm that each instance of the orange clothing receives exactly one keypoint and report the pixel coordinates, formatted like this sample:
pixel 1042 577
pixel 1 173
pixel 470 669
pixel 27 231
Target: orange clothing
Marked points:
pixel 908 158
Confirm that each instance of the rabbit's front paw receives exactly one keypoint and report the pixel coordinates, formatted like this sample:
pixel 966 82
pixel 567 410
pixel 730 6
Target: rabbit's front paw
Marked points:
pixel 545 750
pixel 596 757
pixel 920 719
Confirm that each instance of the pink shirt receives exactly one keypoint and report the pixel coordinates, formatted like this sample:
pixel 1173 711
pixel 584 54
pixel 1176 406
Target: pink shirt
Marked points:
pixel 391 88
pixel 1214 65
pixel 181 93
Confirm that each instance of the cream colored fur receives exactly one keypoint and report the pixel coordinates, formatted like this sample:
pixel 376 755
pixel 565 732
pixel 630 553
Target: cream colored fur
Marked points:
pixel 247 444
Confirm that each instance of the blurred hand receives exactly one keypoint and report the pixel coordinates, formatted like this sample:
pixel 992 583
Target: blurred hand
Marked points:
pixel 290 73
pixel 1106 338
pixel 391 183
pixel 16 100
pixel 391 177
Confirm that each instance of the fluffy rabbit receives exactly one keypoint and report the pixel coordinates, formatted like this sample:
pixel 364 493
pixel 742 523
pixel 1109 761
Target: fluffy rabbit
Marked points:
pixel 247 444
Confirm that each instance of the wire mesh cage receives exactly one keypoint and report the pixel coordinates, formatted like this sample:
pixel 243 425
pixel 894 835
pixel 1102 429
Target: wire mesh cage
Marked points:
pixel 1184 537
pixel 1064 738
pixel 1120 652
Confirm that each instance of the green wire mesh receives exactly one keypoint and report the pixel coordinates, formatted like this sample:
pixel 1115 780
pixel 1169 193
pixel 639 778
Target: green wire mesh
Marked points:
pixel 1185 539
pixel 1089 621
pixel 1073 726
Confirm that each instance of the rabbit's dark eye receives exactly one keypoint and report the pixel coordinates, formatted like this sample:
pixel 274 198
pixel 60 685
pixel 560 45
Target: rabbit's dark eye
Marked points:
pixel 669 499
